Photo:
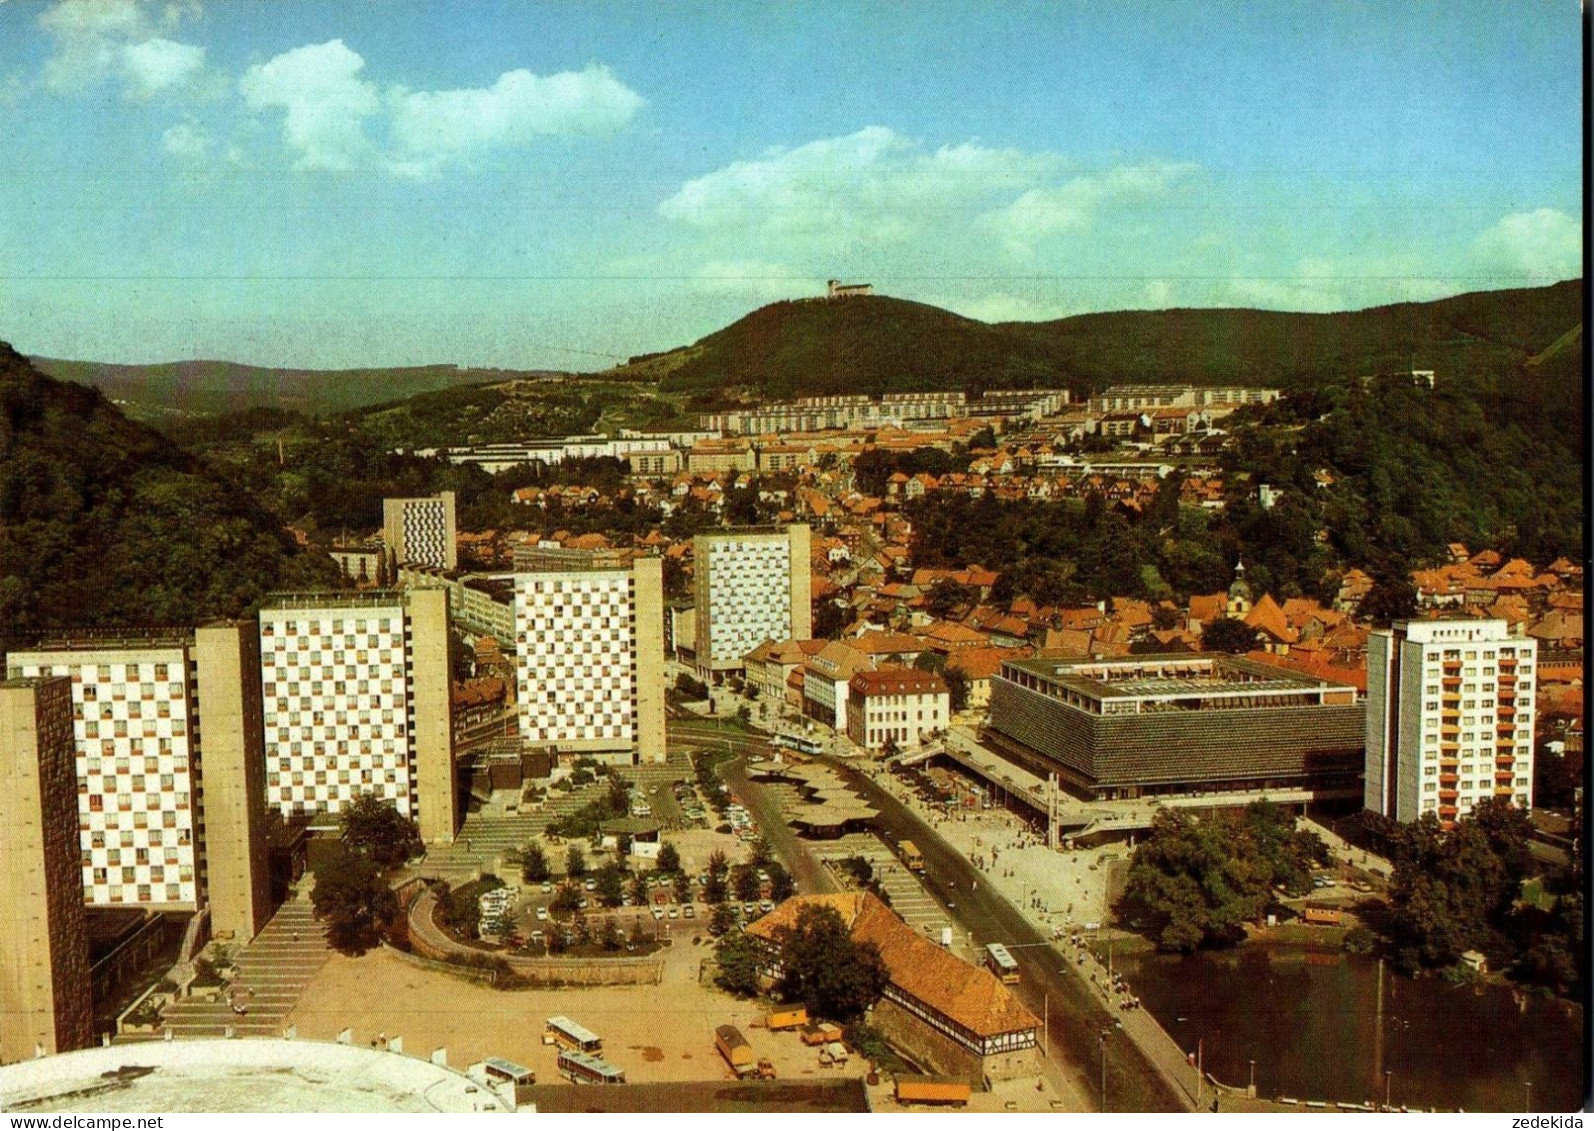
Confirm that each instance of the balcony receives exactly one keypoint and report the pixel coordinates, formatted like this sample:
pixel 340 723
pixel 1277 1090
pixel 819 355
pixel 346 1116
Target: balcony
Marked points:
pixel 1502 778
pixel 1451 681
pixel 1448 780
pixel 1447 796
pixel 1502 791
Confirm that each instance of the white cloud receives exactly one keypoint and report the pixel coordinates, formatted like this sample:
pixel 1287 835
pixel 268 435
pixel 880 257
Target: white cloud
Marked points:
pixel 1048 211
pixel 186 140
pixel 328 100
pixel 1545 245
pixel 157 65
pixel 431 127
pixel 870 186
pixel 96 41
pixel 326 103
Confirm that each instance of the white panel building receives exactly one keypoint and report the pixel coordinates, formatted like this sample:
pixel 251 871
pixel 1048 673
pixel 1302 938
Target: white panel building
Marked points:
pixel 1449 718
pixel 752 585
pixel 589 651
pixel 132 710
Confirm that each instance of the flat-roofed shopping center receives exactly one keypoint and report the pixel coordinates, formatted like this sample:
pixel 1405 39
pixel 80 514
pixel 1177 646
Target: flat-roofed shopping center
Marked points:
pixel 1166 725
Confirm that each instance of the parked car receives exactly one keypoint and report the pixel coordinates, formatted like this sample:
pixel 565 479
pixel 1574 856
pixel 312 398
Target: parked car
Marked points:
pixel 658 912
pixel 688 912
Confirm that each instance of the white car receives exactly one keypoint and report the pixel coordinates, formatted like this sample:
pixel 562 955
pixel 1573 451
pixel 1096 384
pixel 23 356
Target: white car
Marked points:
pixel 658 912
pixel 542 914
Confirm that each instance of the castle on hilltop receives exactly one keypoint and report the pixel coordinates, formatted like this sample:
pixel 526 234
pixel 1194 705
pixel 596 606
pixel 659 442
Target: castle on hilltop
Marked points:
pixel 838 289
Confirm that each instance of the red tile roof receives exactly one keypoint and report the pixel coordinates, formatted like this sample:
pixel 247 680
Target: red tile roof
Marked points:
pixel 968 995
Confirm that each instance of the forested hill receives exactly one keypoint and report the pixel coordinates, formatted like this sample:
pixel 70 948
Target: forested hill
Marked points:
pixel 206 387
pixel 105 522
pixel 877 344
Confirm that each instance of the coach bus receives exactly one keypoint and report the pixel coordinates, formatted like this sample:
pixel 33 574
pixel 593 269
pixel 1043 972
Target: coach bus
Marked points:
pixel 1001 963
pixel 501 1071
pixel 580 1068
pixel 567 1034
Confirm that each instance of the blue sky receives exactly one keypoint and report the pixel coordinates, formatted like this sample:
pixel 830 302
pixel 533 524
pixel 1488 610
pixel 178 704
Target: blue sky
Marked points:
pixel 558 184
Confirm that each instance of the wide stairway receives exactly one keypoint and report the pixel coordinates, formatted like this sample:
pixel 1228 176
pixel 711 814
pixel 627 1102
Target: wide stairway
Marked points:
pixel 273 971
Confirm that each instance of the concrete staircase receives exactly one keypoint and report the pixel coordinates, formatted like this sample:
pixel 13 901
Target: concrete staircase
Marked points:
pixel 273 971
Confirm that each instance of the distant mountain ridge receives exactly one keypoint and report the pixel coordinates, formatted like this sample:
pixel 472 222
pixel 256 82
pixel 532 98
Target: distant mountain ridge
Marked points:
pixel 106 522
pixel 877 344
pixel 208 387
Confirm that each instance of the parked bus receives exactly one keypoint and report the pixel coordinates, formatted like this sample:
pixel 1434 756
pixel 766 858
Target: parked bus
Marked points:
pixel 911 856
pixel 1001 963
pixel 567 1034
pixel 501 1071
pixel 582 1068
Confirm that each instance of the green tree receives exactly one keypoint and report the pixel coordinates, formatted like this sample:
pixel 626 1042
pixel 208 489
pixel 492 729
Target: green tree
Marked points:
pixel 763 853
pixel 353 900
pixel 619 796
pixel 781 886
pixel 379 830
pixel 637 892
pixel 823 967
pixel 566 897
pixel 682 887
pixel 739 957
pixel 746 883
pixel 669 860
pixel 1228 634
pixel 722 919
pixel 609 937
pixel 610 888
pixel 575 861
pixel 534 863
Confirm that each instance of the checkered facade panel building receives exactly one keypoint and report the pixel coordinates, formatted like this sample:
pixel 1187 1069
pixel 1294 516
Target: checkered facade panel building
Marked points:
pixel 426 533
pixel 576 648
pixel 336 703
pixel 749 595
pixel 133 722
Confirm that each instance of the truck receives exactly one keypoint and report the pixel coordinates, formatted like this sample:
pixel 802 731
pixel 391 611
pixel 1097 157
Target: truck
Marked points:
pixel 766 1068
pixel 833 1052
pixel 783 1019
pixel 931 1090
pixel 735 1049
pixel 821 1034
pixel 912 858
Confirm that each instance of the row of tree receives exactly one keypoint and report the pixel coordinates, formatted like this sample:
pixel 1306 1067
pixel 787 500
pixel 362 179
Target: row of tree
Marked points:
pixel 1478 887
pixel 1197 881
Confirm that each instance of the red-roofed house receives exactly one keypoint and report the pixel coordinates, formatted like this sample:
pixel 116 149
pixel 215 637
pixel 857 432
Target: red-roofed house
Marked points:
pixel 951 1016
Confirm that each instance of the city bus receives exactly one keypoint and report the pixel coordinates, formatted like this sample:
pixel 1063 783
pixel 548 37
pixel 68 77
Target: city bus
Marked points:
pixel 1001 963
pixel 567 1034
pixel 797 742
pixel 501 1071
pixel 580 1068
pixel 912 858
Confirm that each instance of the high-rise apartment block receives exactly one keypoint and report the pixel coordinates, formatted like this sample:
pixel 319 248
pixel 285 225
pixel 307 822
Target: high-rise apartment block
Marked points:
pixel 355 690
pixel 1449 718
pixel 45 997
pixel 752 585
pixel 150 834
pixel 589 654
pixel 421 531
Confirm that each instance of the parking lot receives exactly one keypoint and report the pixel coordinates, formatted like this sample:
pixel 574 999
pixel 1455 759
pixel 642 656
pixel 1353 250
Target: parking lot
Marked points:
pixel 909 898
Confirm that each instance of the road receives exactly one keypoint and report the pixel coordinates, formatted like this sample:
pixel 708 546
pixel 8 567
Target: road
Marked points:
pixel 1076 1016
pixel 806 871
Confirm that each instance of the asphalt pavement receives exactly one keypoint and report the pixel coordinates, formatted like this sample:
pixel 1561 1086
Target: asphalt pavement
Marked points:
pixel 1076 1017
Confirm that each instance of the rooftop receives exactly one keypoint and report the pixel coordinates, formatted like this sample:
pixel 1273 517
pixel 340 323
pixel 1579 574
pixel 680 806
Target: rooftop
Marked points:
pixel 968 995
pixel 1173 675
pixel 250 1075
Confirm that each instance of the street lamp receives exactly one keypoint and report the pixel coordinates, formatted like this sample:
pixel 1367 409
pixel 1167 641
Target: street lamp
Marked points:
pixel 1389 1081
pixel 1527 1095
pixel 1253 1080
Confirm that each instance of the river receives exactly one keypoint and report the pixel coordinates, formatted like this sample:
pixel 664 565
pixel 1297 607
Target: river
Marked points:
pixel 1328 1026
